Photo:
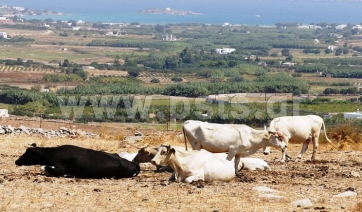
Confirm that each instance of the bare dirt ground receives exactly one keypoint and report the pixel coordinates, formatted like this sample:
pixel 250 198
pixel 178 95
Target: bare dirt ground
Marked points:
pixel 29 189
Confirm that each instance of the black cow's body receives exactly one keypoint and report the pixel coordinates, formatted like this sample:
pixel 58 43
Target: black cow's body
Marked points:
pixel 69 160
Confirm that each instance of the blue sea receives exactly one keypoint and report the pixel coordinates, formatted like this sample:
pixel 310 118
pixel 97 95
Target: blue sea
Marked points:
pixel 257 12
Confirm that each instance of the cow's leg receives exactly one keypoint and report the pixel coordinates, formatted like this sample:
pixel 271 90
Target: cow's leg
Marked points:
pixel 315 145
pixel 173 177
pixel 233 153
pixel 284 155
pixel 304 148
pixel 236 165
pixel 193 178
pixel 54 171
pixel 266 150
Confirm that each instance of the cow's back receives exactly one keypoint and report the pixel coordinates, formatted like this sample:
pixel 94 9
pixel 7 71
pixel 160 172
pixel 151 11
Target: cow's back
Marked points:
pixel 297 128
pixel 89 163
pixel 214 137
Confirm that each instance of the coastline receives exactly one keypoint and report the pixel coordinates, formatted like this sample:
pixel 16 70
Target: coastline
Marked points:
pixel 246 13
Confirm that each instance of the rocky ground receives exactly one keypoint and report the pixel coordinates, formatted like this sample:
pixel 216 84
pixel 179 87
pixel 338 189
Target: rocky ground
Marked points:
pixel 332 183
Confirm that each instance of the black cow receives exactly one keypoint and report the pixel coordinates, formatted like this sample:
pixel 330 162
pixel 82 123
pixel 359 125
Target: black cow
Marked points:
pixel 74 161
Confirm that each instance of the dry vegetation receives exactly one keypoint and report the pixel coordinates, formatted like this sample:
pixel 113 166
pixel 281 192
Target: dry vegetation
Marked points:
pixel 28 189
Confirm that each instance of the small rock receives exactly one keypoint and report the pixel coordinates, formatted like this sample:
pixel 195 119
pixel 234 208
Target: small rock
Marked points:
pixel 302 203
pixel 346 194
pixel 355 174
pixel 138 133
pixel 264 189
pixel 270 196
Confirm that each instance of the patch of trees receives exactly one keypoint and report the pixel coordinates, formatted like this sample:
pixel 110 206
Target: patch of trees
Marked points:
pixel 350 90
pixel 21 97
pixel 311 68
pixel 133 44
pixel 18 39
pixel 340 61
pixel 311 51
pixel 357 48
pixel 24 26
pixel 61 78
pixel 107 88
pixel 278 83
pixel 26 63
pixel 344 72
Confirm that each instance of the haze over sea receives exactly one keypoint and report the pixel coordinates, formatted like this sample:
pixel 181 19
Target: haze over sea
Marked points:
pixel 258 12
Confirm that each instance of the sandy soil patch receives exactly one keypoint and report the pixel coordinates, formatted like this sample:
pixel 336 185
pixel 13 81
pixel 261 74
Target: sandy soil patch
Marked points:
pixel 29 189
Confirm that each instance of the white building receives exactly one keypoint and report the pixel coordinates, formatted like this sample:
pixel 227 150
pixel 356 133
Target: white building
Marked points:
pixel 309 27
pixel 168 37
pixel 4 113
pixel 353 115
pixel 341 26
pixel 332 47
pixel 80 22
pixel 224 50
pixel 18 8
pixel 3 35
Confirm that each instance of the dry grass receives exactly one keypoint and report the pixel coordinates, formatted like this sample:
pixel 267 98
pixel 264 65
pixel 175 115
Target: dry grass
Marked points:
pixel 28 189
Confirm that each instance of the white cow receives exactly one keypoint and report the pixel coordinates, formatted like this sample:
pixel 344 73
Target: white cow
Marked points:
pixel 253 164
pixel 194 165
pixel 238 140
pixel 299 129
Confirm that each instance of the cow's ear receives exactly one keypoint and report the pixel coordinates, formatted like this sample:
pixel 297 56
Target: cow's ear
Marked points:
pixel 32 145
pixel 267 135
pixel 172 150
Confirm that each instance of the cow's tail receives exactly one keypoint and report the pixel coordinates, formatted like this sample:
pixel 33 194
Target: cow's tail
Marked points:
pixel 325 134
pixel 183 130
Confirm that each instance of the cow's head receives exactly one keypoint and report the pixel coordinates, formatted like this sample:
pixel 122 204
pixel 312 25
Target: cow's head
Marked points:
pixel 163 154
pixel 30 157
pixel 276 139
pixel 145 154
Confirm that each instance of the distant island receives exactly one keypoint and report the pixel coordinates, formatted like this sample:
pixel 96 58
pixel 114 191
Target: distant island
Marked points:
pixel 168 11
pixel 11 11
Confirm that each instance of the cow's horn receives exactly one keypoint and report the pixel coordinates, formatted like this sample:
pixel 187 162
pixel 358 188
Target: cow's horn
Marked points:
pixel 168 146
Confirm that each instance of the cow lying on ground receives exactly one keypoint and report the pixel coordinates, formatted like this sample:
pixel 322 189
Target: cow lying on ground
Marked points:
pixel 194 165
pixel 299 129
pixel 238 140
pixel 146 154
pixel 253 164
pixel 74 161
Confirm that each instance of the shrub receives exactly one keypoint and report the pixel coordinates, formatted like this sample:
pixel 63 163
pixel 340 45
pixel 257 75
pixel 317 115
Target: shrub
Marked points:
pixel 176 79
pixel 155 80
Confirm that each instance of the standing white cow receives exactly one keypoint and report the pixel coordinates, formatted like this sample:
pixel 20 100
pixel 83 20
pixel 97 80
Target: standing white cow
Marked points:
pixel 238 140
pixel 299 129
pixel 194 165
